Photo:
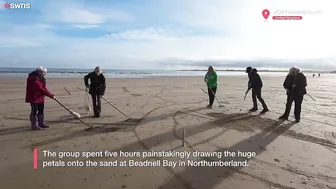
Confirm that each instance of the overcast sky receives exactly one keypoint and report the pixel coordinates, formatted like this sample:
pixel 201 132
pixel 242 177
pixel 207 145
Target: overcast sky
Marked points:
pixel 142 34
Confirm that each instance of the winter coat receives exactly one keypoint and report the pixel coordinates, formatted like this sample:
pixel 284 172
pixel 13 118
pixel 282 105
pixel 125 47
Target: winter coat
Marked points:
pixel 36 89
pixel 255 81
pixel 211 79
pixel 300 82
pixel 97 83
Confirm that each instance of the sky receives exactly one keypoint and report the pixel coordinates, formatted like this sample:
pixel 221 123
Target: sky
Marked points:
pixel 168 34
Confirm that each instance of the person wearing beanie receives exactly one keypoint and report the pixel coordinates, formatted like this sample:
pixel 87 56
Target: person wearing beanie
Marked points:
pixel 255 83
pixel 36 90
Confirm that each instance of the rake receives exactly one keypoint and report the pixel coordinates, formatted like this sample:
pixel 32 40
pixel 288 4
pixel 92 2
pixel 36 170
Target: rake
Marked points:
pixel 75 114
pixel 220 105
pixel 243 102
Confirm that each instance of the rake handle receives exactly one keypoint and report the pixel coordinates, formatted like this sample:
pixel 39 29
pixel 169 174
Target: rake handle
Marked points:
pixel 72 113
pixel 215 97
pixel 115 107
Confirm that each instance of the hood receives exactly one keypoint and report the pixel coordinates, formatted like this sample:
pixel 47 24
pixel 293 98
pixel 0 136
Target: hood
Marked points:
pixel 34 73
pixel 254 70
pixel 248 69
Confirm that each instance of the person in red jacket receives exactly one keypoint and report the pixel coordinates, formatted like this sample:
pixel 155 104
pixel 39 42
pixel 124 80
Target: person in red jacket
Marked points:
pixel 35 95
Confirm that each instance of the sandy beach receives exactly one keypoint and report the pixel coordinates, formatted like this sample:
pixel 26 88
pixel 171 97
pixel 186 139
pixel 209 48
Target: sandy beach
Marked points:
pixel 288 154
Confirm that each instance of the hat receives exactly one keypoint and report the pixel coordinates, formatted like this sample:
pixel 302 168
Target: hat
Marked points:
pixel 98 70
pixel 42 69
pixel 248 69
pixel 294 70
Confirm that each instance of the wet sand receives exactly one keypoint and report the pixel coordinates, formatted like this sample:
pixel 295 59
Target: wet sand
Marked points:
pixel 288 154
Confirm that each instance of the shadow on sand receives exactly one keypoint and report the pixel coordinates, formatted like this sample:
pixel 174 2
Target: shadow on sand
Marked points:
pixel 203 177
pixel 15 130
pixel 64 119
pixel 77 134
pixel 124 126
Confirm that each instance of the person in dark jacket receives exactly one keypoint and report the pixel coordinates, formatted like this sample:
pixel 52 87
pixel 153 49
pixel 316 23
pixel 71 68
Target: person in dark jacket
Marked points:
pixel 255 83
pixel 36 91
pixel 295 85
pixel 96 88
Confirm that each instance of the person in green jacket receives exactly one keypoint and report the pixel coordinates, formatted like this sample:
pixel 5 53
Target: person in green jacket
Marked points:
pixel 212 83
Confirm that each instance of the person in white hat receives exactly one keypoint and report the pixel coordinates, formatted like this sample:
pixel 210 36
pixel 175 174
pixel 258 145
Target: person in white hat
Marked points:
pixel 36 91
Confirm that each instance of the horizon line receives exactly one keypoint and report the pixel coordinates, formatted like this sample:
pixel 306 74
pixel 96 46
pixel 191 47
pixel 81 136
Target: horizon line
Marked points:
pixel 228 70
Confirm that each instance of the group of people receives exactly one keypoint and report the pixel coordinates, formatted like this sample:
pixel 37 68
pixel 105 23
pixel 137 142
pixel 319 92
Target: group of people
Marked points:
pixel 295 85
pixel 36 91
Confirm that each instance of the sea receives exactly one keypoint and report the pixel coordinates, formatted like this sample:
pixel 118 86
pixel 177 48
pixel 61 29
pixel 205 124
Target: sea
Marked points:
pixel 118 73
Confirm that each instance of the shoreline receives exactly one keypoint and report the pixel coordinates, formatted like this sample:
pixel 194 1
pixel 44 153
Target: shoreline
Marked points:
pixel 154 77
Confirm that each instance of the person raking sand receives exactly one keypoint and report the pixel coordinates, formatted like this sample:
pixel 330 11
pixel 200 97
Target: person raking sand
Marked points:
pixel 96 88
pixel 295 85
pixel 255 83
pixel 36 90
pixel 211 80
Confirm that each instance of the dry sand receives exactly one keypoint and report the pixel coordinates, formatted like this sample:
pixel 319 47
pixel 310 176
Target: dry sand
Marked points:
pixel 289 155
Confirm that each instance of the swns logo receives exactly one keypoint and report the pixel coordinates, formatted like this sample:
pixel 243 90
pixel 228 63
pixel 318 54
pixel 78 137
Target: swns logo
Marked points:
pixel 17 6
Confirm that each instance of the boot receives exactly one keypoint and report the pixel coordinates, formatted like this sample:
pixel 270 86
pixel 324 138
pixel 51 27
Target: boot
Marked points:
pixel 284 117
pixel 40 118
pixel 33 121
pixel 253 109
pixel 264 110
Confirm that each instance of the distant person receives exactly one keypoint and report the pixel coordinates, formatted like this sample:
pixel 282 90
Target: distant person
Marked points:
pixel 96 88
pixel 36 91
pixel 212 83
pixel 313 75
pixel 255 83
pixel 295 85
pixel 319 75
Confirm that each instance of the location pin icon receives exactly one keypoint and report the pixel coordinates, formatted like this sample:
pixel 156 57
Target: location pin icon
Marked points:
pixel 266 13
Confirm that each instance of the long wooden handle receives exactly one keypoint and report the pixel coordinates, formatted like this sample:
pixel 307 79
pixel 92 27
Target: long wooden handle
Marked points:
pixel 73 114
pixel 115 107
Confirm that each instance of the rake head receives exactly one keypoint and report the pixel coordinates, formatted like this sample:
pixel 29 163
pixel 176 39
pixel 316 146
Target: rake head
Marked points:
pixel 75 114
pixel 88 108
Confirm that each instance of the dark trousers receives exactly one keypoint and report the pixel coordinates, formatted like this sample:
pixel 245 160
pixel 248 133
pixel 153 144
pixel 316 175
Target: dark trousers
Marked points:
pixel 297 103
pixel 256 94
pixel 36 108
pixel 96 103
pixel 212 93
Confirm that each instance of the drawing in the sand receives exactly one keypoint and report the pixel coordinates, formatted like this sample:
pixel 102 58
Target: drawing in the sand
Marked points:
pixel 295 85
